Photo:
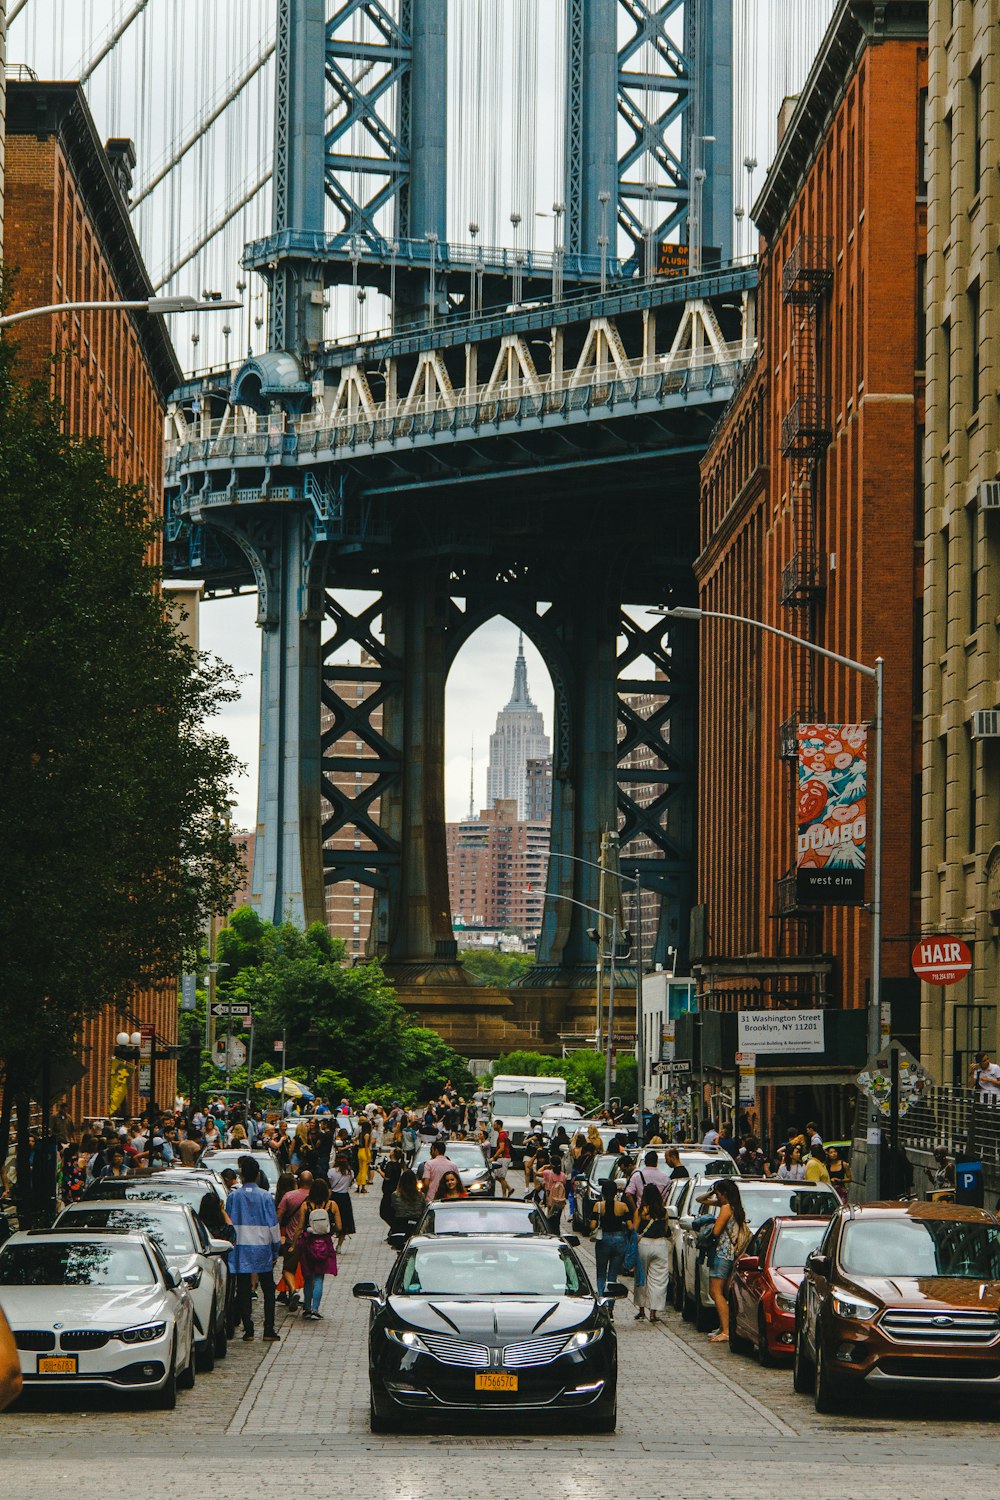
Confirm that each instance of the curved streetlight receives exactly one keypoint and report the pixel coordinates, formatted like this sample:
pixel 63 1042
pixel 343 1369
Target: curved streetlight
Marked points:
pixel 876 674
pixel 159 306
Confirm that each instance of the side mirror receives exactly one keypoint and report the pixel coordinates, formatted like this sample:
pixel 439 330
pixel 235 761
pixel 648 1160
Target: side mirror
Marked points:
pixel 219 1247
pixel 369 1289
pixel 818 1263
pixel 174 1277
pixel 398 1240
pixel 686 1221
pixel 571 1239
pixel 672 1211
pixel 748 1263
pixel 616 1289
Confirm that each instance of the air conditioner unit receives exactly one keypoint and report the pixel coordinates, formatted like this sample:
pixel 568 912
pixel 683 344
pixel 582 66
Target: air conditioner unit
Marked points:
pixel 989 494
pixel 986 724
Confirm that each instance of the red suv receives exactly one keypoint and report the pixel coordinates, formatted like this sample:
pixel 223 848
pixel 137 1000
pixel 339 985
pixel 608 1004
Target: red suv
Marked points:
pixel 901 1297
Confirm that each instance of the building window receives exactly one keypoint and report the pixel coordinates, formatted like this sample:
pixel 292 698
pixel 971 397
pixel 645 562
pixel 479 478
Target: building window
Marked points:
pixel 972 296
pixel 922 146
pixel 946 372
pixel 976 106
pixel 921 341
pixel 972 793
pixel 973 581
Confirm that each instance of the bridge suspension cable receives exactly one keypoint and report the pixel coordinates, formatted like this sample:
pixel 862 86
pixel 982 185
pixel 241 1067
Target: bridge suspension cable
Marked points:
pixel 86 72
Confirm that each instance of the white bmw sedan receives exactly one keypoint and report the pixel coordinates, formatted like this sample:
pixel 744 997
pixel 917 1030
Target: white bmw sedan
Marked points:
pixel 98 1309
pixel 188 1248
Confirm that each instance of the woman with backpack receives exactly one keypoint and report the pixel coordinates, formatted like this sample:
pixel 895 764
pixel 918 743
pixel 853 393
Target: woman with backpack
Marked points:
pixel 554 1190
pixel 317 1251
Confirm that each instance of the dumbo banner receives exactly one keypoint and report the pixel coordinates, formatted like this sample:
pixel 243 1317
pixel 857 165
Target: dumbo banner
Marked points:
pixel 832 814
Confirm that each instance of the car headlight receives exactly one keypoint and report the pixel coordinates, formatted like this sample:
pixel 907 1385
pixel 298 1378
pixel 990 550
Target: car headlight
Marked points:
pixel 583 1339
pixel 192 1278
pixel 848 1306
pixel 784 1303
pixel 407 1338
pixel 479 1186
pixel 144 1333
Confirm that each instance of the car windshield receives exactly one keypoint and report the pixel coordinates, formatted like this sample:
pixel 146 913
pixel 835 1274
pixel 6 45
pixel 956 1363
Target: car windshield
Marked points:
pixel 510 1104
pixel 602 1166
pixel 794 1243
pixel 84 1263
pixel 465 1154
pixel 768 1202
pixel 525 1269
pixel 167 1192
pixel 477 1218
pixel 922 1247
pixel 171 1231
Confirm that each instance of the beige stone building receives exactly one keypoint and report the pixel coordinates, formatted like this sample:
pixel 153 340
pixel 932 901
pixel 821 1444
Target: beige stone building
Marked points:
pixel 961 727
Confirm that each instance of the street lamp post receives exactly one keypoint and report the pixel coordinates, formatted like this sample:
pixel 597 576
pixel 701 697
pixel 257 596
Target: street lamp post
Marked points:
pixel 604 198
pixel 157 305
pixel 876 674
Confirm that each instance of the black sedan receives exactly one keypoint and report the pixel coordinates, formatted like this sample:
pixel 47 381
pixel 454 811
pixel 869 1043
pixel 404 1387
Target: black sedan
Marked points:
pixel 483 1325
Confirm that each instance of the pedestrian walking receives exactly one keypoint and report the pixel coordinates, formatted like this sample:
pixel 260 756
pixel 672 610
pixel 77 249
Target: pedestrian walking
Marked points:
pixel 258 1244
pixel 341 1178
pixel 364 1153
pixel 840 1172
pixel 609 1220
pixel 317 1251
pixel 554 1187
pixel 408 1204
pixel 650 1224
pixel 291 1218
pixel 793 1168
pixel 390 1173
pixel 816 1169
pixel 501 1159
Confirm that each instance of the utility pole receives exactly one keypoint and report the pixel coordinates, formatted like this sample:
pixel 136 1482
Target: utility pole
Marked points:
pixel 602 907
pixel 640 1041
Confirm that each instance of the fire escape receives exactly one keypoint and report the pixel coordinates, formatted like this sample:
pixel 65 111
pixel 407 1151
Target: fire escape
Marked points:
pixel 805 436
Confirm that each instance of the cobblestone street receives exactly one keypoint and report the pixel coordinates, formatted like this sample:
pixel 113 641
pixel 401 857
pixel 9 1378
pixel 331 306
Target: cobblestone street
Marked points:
pixel 693 1420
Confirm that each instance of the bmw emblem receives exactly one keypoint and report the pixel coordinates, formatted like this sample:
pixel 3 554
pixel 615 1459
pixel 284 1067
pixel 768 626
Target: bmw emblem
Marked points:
pixel 942 1322
pixel 57 1325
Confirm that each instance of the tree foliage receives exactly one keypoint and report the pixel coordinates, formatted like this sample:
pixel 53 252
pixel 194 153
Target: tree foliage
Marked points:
pixel 343 1021
pixel 113 843
pixel 489 966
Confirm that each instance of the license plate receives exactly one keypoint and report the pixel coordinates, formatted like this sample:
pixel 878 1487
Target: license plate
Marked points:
pixel 57 1364
pixel 493 1382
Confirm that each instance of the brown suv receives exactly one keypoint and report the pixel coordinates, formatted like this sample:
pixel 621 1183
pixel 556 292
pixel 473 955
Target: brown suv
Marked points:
pixel 900 1297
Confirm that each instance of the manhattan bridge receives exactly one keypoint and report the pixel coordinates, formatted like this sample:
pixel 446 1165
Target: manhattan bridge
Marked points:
pixel 496 263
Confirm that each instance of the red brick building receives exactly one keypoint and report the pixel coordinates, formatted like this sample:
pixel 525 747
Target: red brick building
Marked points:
pixel 497 865
pixel 810 521
pixel 68 235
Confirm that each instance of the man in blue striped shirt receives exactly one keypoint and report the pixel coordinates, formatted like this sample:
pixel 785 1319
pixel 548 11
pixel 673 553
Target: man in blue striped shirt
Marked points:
pixel 258 1244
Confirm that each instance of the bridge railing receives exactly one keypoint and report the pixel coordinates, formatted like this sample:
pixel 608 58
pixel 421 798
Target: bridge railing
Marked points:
pixel 241 433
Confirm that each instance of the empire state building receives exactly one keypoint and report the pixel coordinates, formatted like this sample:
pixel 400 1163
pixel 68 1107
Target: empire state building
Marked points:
pixel 519 737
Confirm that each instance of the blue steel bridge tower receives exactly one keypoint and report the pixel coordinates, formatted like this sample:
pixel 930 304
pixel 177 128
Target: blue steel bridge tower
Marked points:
pixel 455 472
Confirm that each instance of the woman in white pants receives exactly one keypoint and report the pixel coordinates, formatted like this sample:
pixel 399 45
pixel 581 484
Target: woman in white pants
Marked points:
pixel 650 1223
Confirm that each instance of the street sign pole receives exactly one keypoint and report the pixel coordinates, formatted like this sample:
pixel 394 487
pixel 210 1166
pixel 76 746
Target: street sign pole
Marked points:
pixel 611 1012
pixel 281 1100
pixel 640 1045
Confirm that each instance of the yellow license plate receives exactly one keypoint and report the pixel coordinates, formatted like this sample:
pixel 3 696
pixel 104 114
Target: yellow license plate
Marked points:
pixel 496 1382
pixel 57 1364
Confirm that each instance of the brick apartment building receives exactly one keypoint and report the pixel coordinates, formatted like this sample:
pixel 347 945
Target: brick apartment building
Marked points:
pixel 67 231
pixel 497 866
pixel 811 512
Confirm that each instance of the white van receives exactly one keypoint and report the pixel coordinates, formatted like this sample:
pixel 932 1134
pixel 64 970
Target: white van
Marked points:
pixel 519 1101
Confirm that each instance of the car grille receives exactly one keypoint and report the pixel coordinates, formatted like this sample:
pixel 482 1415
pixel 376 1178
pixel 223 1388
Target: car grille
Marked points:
pixel 963 1326
pixel 84 1338
pixel 35 1338
pixel 917 1367
pixel 456 1351
pixel 534 1352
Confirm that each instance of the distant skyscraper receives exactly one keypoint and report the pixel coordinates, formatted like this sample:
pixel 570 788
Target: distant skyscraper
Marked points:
pixel 519 737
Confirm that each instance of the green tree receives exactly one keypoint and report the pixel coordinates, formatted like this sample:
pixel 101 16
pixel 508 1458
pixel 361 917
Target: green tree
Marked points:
pixel 113 844
pixel 489 966
pixel 344 1018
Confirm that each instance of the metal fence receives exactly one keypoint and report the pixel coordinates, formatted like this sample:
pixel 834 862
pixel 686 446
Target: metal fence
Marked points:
pixel 965 1123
